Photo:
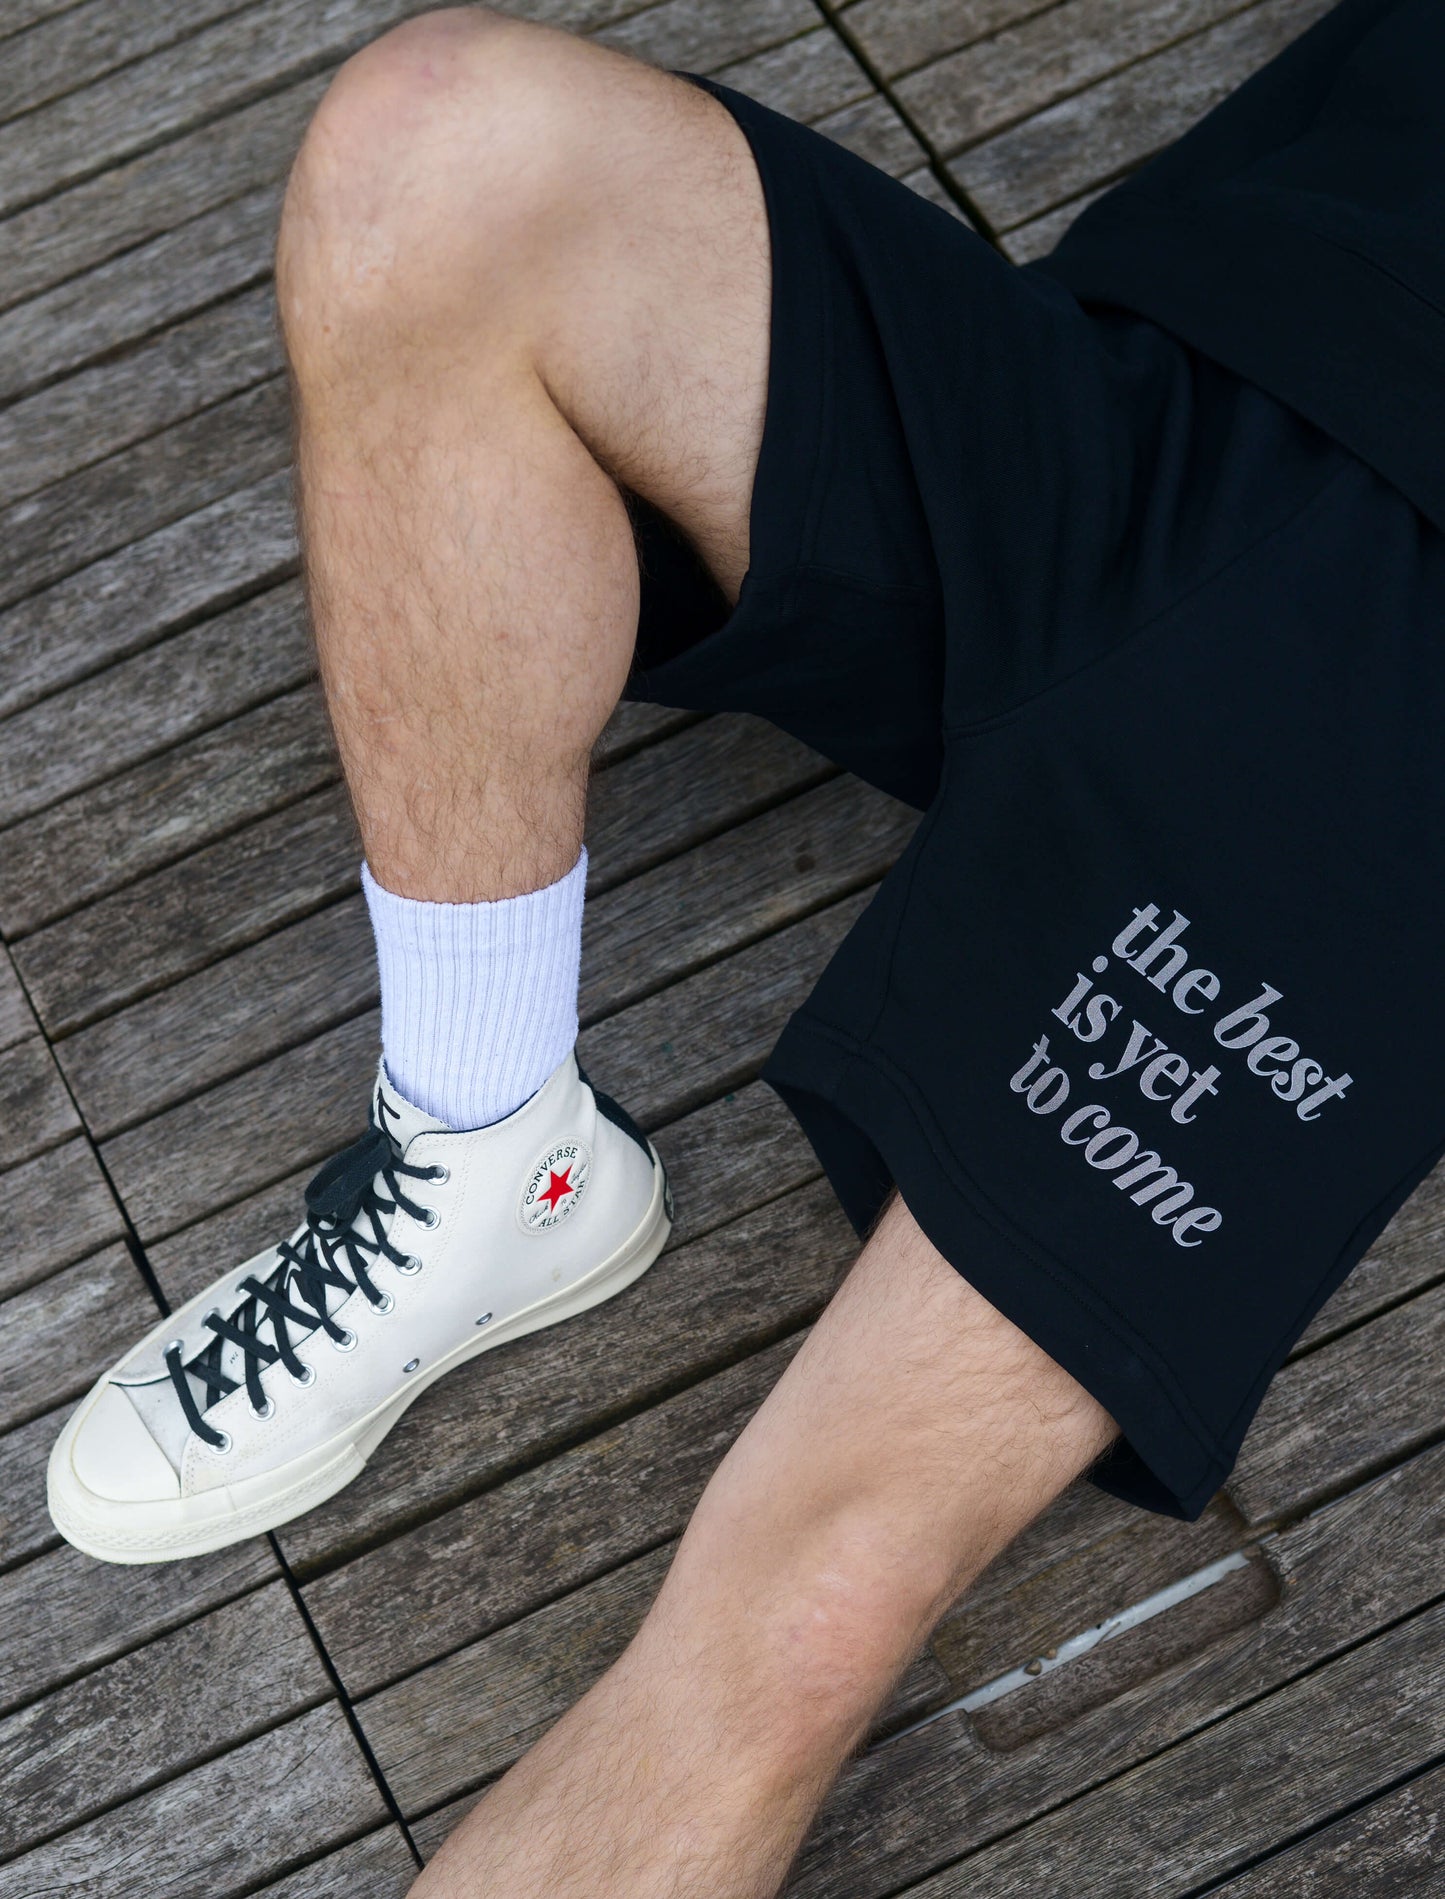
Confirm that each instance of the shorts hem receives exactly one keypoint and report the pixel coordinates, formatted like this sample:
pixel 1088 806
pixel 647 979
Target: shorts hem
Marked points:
pixel 870 1134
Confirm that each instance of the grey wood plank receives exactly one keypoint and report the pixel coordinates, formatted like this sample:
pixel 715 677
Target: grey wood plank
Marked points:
pixel 186 915
pixel 1027 242
pixel 804 78
pixel 155 699
pixel 56 1338
pixel 151 486
pixel 86 41
pixel 378 1867
pixel 1024 68
pixel 1290 1762
pixel 106 408
pixel 1385 1850
pixel 1407 1257
pixel 702 35
pixel 54 1210
pixel 109 835
pixel 536 1538
pixel 163 191
pixel 16 15
pixel 1100 132
pixel 25 1526
pixel 17 1018
pixel 663 1056
pixel 301 1104
pixel 1363 1401
pixel 897 35
pixel 810 850
pixel 93 1612
pixel 237 545
pixel 202 1833
pixel 1346 1572
pixel 926 183
pixel 223 66
pixel 732 1291
pixel 872 128
pixel 215 255
pixel 36 1112
pixel 136 1722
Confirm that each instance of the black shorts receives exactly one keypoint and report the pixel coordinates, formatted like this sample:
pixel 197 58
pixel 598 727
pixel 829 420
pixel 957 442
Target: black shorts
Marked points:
pixel 1147 1022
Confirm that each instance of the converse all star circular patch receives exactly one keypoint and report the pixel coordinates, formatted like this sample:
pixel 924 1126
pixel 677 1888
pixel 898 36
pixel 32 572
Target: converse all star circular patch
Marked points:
pixel 554 1186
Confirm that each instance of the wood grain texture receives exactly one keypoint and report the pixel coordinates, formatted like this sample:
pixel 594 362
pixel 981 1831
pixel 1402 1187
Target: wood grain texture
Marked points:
pixel 702 35
pixel 104 409
pixel 1345 1573
pixel 94 1612
pixel 1357 1404
pixel 1290 1762
pixel 1103 131
pixel 36 1112
pixel 804 78
pixel 111 834
pixel 184 916
pixel 871 128
pixel 240 544
pixel 54 1209
pixel 1388 1849
pixel 202 1833
pixel 536 1538
pixel 897 35
pixel 378 1867
pixel 143 489
pixel 156 699
pixel 700 1307
pixel 1408 1257
pixel 63 53
pixel 25 1526
pixel 56 1338
pixel 142 1720
pixel 1026 67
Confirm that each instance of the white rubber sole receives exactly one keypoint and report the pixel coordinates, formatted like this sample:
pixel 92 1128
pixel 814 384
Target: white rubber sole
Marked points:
pixel 167 1532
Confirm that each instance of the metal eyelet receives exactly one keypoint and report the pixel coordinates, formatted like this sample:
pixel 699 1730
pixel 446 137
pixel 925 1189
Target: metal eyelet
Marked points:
pixel 441 1173
pixel 224 1445
pixel 484 1318
pixel 345 1343
pixel 433 1218
pixel 384 1304
pixel 268 1410
pixel 308 1378
pixel 411 1364
pixel 409 1267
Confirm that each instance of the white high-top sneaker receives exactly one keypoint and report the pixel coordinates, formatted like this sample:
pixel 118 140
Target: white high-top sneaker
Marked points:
pixel 421 1248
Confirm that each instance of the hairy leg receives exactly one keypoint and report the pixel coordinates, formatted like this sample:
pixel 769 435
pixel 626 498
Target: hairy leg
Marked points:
pixel 913 1437
pixel 516 272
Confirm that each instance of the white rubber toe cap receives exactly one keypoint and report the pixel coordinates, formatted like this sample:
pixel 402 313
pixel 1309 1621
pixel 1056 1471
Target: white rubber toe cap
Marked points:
pixel 115 1457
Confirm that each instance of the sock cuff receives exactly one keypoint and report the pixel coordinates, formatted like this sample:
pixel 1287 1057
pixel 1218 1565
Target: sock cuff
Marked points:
pixel 479 1000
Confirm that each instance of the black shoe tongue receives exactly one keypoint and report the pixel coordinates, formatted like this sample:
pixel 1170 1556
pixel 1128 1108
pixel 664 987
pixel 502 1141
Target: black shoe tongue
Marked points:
pixel 334 1191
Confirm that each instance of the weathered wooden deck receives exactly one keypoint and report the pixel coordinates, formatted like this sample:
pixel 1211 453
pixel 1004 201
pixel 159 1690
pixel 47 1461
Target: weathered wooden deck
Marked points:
pixel 187 1014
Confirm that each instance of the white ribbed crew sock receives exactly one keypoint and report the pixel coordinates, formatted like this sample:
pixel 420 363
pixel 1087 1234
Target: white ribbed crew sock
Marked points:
pixel 478 1000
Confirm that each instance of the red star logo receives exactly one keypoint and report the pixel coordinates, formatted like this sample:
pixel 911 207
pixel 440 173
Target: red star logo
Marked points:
pixel 558 1187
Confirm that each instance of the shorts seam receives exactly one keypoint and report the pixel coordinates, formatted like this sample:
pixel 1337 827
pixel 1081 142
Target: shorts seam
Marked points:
pixel 997 721
pixel 1026 1243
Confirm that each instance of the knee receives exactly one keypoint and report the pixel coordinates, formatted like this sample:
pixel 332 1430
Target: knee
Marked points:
pixel 432 149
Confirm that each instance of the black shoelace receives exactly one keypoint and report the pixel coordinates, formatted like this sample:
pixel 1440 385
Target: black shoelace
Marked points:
pixel 357 1189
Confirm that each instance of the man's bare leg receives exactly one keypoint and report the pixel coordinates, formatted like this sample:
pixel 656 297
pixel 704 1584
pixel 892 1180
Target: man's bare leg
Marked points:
pixel 913 1437
pixel 516 273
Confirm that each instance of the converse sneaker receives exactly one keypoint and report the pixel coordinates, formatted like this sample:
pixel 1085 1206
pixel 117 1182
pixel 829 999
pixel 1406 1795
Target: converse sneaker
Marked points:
pixel 420 1249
